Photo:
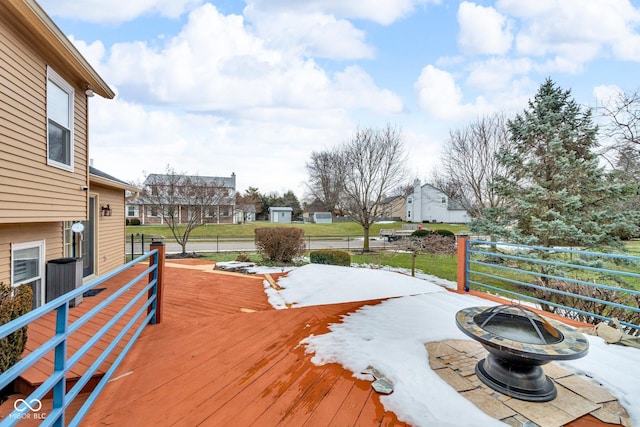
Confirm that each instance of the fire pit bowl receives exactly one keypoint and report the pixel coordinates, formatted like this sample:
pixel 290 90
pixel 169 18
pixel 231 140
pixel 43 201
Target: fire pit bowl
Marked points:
pixel 519 342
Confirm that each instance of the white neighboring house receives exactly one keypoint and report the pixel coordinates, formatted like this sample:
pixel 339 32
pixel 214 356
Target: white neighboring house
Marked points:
pixel 428 204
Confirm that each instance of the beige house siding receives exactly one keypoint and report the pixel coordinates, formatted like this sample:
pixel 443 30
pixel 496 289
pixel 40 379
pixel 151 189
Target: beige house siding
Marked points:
pixel 51 233
pixel 394 209
pixel 31 190
pixel 110 232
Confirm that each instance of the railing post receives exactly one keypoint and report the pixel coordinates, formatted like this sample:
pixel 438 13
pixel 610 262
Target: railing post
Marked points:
pixel 463 240
pixel 158 274
pixel 60 361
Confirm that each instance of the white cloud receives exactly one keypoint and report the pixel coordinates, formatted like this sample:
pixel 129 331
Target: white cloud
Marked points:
pixel 483 30
pixel 441 97
pixel 116 11
pixel 383 12
pixel 497 73
pixel 576 31
pixel 310 34
pixel 216 64
pixel 266 148
pixel 605 94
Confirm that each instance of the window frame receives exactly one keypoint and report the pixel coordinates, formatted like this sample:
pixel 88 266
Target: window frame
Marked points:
pixel 136 211
pixel 61 83
pixel 41 246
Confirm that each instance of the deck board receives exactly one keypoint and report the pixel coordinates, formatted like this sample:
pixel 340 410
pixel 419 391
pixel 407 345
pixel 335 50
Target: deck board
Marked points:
pixel 212 363
pixel 221 356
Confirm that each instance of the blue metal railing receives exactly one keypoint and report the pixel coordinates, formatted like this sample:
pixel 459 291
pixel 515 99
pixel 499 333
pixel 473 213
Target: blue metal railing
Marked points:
pixel 551 276
pixel 56 383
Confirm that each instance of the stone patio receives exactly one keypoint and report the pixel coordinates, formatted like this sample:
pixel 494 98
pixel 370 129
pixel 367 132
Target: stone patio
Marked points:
pixel 578 400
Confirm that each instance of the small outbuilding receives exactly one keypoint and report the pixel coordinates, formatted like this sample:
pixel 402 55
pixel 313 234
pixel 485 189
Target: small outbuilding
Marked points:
pixel 322 217
pixel 280 214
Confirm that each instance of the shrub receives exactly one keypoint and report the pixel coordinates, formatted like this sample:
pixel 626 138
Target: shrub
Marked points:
pixel 134 221
pixel 12 307
pixel 331 257
pixel 421 233
pixel 578 303
pixel 242 257
pixel 446 233
pixel 280 243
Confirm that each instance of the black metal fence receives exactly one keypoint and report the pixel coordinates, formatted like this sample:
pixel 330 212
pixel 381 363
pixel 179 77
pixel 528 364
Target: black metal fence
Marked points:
pixel 138 244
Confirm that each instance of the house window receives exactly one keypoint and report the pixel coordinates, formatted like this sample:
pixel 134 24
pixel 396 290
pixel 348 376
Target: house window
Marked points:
pixel 132 210
pixel 153 211
pixel 59 121
pixel 443 199
pixel 410 200
pixel 211 211
pixel 27 268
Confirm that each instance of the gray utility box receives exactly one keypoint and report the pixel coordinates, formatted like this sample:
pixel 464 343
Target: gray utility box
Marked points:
pixel 64 275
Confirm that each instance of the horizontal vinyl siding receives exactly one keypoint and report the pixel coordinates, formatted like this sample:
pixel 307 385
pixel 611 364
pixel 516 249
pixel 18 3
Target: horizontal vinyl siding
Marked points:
pixel 29 188
pixel 51 233
pixel 110 229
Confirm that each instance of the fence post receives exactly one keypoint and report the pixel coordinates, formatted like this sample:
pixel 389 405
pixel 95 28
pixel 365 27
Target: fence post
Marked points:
pixel 462 263
pixel 159 275
pixel 133 253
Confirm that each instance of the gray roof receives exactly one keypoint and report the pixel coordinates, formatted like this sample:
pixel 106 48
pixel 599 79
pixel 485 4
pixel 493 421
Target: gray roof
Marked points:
pixel 97 172
pixel 222 181
pixel 388 200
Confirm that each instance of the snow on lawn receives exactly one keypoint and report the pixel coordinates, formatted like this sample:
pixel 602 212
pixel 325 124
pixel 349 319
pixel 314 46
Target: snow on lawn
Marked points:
pixel 390 336
pixel 316 284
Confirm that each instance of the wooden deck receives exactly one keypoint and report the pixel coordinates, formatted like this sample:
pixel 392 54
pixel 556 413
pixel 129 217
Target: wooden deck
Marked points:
pixel 223 356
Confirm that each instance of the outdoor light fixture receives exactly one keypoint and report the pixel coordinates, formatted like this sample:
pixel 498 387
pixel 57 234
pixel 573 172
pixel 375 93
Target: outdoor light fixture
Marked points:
pixel 106 210
pixel 89 92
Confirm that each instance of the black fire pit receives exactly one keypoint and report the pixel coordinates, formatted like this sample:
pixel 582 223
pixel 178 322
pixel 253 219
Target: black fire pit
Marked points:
pixel 519 342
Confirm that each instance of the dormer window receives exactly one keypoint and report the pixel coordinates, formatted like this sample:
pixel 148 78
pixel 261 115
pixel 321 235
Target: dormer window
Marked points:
pixel 59 121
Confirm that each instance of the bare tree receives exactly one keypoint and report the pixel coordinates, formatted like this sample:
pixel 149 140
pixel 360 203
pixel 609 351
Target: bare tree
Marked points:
pixel 623 114
pixel 373 162
pixel 325 179
pixel 469 163
pixel 185 201
pixel 248 203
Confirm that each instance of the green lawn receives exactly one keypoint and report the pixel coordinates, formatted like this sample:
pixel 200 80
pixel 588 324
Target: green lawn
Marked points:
pixel 633 246
pixel 247 230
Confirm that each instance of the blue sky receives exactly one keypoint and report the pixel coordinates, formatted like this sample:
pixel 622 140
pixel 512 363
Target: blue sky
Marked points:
pixel 254 86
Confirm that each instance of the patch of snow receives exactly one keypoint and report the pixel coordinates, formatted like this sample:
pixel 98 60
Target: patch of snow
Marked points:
pixel 317 284
pixel 252 268
pixel 390 336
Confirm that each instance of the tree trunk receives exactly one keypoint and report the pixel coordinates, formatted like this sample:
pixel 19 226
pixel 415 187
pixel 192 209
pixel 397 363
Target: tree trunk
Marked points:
pixel 365 244
pixel 413 263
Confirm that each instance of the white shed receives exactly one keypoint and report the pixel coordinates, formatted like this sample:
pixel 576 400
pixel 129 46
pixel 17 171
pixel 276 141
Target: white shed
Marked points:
pixel 280 214
pixel 322 217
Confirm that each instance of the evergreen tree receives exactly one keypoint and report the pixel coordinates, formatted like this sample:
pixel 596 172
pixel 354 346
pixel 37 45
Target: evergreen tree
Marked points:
pixel 556 192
